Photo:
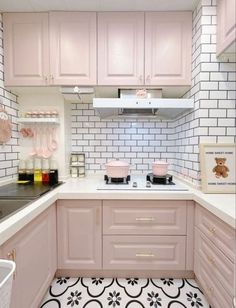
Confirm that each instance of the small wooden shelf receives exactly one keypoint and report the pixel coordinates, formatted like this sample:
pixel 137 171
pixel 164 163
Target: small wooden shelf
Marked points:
pixel 39 120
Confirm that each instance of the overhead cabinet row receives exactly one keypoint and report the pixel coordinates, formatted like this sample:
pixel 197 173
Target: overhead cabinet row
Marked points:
pixel 89 48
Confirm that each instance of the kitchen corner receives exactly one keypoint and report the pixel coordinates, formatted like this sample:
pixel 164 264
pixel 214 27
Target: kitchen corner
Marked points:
pixel 117 154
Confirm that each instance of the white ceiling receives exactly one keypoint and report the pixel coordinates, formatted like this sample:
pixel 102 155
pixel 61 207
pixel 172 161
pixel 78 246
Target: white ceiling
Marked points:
pixel 95 5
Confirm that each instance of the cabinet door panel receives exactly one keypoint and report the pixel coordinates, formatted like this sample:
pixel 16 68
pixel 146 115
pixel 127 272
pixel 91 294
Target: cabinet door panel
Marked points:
pixel 26 48
pixel 144 217
pixel 120 48
pixel 73 48
pixel 221 234
pixel 144 252
pixel 35 252
pixel 168 37
pixel 79 234
pixel 219 265
pixel 217 295
pixel 226 26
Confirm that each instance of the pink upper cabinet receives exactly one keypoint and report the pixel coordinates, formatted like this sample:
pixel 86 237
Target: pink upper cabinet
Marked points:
pixel 26 52
pixel 73 48
pixel 121 48
pixel 226 26
pixel 168 41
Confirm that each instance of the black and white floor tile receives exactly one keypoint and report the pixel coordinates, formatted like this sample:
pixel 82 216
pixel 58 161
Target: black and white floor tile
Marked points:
pixel 124 293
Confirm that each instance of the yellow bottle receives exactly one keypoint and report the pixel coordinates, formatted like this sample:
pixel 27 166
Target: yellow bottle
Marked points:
pixel 37 171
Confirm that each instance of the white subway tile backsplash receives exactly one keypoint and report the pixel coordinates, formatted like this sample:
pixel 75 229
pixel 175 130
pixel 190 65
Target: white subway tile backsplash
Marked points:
pixel 217 131
pixel 226 122
pixel 209 85
pixel 208 122
pixel 217 113
pixel 218 94
pixel 231 95
pixel 208 10
pixel 210 67
pixel 231 131
pixel 227 85
pixel 232 76
pixel 226 139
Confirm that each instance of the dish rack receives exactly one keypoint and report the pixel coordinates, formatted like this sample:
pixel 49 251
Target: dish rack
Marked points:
pixel 77 164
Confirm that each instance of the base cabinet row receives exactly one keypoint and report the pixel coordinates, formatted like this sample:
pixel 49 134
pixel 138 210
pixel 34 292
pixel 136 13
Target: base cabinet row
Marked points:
pixel 146 235
pixel 116 235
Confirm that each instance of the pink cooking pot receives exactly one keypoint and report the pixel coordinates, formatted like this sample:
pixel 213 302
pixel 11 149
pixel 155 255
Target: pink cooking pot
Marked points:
pixel 117 169
pixel 159 167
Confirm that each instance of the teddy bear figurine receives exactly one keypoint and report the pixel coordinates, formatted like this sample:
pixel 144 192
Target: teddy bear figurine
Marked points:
pixel 220 169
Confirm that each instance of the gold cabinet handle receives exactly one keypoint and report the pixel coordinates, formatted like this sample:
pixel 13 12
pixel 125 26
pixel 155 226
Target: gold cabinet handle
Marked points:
pixel 212 230
pixel 210 290
pixel 45 78
pixel 12 256
pixel 145 255
pixel 211 259
pixel 145 219
pixel 141 78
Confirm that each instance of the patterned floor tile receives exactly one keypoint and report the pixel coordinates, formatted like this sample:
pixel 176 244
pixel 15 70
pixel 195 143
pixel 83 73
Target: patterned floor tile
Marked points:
pixel 68 292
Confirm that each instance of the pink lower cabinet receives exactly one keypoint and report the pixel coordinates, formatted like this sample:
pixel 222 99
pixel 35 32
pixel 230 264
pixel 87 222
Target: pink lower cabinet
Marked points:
pixel 214 258
pixel 144 252
pixel 148 235
pixel 144 217
pixel 212 288
pixel 79 231
pixel 34 251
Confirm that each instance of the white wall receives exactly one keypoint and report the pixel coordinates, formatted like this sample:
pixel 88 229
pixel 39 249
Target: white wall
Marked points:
pixel 47 99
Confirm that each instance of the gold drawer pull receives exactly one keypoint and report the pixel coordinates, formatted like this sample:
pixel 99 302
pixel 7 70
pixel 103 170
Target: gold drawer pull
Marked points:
pixel 212 230
pixel 12 256
pixel 145 255
pixel 210 290
pixel 145 219
pixel 210 259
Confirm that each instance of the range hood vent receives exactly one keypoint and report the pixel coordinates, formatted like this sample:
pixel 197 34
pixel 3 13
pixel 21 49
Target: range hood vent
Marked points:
pixel 129 105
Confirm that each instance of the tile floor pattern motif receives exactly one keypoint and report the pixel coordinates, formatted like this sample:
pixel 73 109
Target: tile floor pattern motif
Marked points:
pixel 123 293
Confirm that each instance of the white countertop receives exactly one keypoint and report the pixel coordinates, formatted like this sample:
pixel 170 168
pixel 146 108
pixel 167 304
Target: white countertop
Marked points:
pixel 222 205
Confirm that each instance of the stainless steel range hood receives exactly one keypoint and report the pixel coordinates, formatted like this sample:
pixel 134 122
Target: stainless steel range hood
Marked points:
pixel 145 103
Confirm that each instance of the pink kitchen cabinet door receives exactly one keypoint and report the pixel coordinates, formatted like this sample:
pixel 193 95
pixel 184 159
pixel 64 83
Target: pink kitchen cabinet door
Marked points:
pixel 79 234
pixel 26 50
pixel 34 251
pixel 218 232
pixel 144 252
pixel 168 41
pixel 73 45
pixel 144 217
pixel 226 26
pixel 121 48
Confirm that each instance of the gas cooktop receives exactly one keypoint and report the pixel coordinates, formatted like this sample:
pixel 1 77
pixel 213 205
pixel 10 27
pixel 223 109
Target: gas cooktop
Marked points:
pixel 141 183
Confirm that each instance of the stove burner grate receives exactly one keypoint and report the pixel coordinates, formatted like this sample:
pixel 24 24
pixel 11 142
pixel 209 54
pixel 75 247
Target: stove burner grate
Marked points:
pixel 162 179
pixel 117 181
